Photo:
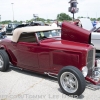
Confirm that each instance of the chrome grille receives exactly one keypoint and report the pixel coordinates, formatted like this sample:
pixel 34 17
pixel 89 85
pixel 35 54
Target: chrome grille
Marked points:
pixel 90 61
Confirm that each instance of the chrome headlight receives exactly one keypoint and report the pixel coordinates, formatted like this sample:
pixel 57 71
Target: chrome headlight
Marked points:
pixel 85 71
pixel 98 62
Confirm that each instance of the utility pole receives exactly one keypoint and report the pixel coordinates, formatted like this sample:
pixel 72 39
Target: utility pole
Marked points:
pixel 13 11
pixel 35 16
pixel 0 18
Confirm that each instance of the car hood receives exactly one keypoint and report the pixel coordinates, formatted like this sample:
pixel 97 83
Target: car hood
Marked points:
pixel 98 25
pixel 64 45
pixel 86 23
pixel 74 33
pixel 95 36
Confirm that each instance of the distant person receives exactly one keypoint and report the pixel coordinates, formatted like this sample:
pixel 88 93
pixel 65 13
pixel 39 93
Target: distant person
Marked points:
pixel 35 24
pixel 32 23
pixel 3 29
pixel 94 23
pixel 54 24
pixel 77 22
pixel 3 32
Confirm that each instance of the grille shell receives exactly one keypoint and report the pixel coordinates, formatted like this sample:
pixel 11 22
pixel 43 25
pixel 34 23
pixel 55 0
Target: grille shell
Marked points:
pixel 90 61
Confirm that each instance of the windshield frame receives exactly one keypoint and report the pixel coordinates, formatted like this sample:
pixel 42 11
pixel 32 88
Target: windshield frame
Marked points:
pixel 43 35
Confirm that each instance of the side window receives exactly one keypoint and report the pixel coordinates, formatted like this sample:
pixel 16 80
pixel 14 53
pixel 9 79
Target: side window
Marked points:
pixel 27 37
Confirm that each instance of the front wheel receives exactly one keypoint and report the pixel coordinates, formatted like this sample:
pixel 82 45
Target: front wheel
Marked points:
pixel 71 81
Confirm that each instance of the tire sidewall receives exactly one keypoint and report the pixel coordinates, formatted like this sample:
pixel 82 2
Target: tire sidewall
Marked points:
pixel 76 74
pixel 5 58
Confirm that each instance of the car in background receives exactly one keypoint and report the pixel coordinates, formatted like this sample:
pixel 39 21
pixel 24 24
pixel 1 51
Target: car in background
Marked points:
pixel 33 23
pixel 10 27
pixel 0 27
pixel 95 31
pixel 37 23
pixel 3 32
pixel 96 28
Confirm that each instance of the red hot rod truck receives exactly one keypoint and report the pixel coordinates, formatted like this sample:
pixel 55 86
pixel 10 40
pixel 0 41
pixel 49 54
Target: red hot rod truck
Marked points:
pixel 69 57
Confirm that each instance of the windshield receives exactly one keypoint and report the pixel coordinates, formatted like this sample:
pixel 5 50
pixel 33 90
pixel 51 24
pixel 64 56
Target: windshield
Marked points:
pixel 48 34
pixel 93 29
pixel 96 28
pixel 12 25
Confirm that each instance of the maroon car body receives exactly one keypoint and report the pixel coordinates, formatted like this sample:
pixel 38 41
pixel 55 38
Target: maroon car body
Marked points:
pixel 50 56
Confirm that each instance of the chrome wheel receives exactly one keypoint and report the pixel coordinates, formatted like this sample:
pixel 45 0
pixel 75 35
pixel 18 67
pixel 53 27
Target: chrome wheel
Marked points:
pixel 1 62
pixel 69 82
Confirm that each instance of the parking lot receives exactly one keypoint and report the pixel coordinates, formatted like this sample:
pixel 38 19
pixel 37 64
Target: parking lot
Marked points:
pixel 16 84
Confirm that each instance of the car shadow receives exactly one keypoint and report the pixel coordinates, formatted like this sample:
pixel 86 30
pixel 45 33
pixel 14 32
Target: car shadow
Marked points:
pixel 30 73
pixel 9 69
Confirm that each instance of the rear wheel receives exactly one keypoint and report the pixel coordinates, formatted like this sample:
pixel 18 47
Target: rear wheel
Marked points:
pixel 4 61
pixel 71 81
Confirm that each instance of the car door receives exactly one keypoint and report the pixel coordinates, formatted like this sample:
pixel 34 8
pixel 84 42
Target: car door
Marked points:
pixel 95 39
pixel 27 51
pixel 28 57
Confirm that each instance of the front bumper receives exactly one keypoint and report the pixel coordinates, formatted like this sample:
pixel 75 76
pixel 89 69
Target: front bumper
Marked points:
pixel 95 77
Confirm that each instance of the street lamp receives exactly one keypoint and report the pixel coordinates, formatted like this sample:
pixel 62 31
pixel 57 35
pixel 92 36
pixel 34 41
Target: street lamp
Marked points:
pixel 12 11
pixel 35 16
pixel 73 7
pixel 0 18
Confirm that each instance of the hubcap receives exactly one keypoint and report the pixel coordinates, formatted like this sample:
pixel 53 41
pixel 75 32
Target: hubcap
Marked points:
pixel 69 82
pixel 1 62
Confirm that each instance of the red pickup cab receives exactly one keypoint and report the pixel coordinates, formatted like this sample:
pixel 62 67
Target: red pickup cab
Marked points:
pixel 66 54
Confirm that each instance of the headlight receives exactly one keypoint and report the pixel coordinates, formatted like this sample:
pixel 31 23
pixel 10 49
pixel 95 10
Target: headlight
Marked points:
pixel 98 62
pixel 85 71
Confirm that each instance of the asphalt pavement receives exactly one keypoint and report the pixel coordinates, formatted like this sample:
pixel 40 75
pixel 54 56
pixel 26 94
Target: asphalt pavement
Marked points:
pixel 16 84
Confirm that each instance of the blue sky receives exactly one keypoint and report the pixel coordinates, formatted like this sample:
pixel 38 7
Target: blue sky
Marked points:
pixel 24 9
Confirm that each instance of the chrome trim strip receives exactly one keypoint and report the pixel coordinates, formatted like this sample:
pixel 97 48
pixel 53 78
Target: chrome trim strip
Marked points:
pixel 51 74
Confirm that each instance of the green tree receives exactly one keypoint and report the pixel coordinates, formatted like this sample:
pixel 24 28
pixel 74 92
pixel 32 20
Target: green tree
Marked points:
pixel 48 20
pixel 6 22
pixel 92 19
pixel 63 16
pixel 80 17
pixel 98 19
pixel 20 22
pixel 15 21
pixel 40 19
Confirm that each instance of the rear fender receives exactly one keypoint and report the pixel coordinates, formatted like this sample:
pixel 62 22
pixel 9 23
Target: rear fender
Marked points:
pixel 12 58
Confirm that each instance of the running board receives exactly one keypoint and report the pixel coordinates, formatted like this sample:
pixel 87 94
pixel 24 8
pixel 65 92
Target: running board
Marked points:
pixel 16 67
